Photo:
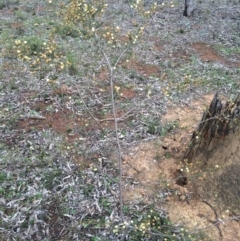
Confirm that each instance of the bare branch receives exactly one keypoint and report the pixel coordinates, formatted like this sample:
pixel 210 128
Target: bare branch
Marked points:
pixel 217 221
pixel 112 68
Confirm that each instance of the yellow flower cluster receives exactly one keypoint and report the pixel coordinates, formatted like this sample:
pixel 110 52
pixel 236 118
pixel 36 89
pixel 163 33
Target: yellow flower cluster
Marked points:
pixel 83 14
pixel 139 6
pixel 110 34
pixel 40 54
pixel 134 35
pixel 80 12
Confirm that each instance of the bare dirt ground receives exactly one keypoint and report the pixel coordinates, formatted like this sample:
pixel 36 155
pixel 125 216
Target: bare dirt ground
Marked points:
pixel 152 165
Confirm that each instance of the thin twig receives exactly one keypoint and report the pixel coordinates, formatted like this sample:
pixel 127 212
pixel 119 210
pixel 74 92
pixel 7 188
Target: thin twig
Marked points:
pixel 116 133
pixel 122 118
pixel 36 117
pixel 217 222
pixel 130 165
pixel 112 68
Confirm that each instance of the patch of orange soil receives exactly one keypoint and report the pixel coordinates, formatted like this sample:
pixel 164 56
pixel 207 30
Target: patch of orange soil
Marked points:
pixel 180 57
pixel 123 39
pixel 151 166
pixel 208 54
pixel 177 58
pixel 46 115
pixel 158 46
pixel 108 119
pixel 17 25
pixel 144 69
pixel 63 90
pixel 127 93
pixel 103 74
pixel 63 121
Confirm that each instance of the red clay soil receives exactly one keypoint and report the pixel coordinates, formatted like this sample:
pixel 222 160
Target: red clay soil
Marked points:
pixel 208 54
pixel 144 69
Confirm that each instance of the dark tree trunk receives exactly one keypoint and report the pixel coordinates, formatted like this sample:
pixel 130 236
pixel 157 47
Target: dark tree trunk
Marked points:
pixel 215 125
pixel 189 7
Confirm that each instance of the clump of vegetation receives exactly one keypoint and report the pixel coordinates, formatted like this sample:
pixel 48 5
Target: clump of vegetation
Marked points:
pixel 40 55
pixel 154 225
pixel 66 30
pixel 6 4
pixel 154 127
pixel 140 7
pixel 83 14
pixel 71 64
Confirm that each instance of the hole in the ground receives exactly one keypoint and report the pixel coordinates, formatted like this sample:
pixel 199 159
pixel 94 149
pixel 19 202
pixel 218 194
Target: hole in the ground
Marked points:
pixel 181 178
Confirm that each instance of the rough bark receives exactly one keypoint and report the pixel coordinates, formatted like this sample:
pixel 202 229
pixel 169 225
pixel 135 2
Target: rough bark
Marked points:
pixel 189 7
pixel 216 124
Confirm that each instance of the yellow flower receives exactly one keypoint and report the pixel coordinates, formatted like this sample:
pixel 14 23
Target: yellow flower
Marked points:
pixel 17 42
pixel 85 7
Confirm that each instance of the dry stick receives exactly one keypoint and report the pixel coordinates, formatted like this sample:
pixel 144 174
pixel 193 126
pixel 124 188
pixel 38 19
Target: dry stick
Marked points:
pixel 116 127
pixel 234 218
pixel 122 118
pixel 130 165
pixel 37 117
pixel 216 223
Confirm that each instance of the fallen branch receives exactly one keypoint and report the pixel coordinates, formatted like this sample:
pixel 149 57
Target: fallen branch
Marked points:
pixel 130 165
pixel 218 221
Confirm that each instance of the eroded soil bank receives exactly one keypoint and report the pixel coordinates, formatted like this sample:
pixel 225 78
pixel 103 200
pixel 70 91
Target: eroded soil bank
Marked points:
pixel 209 199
